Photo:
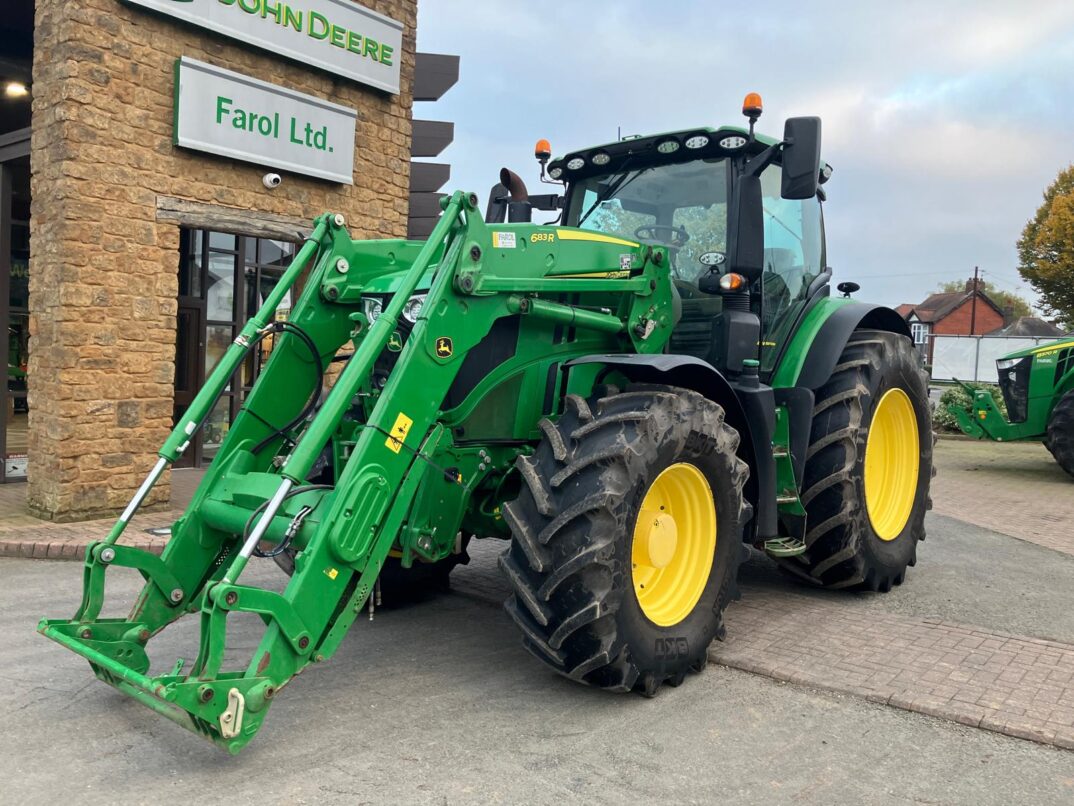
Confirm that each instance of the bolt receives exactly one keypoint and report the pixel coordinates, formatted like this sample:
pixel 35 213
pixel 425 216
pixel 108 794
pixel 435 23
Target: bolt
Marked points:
pixel 339 219
pixel 467 283
pixel 177 595
pixel 303 642
pixel 231 597
pixel 86 633
pixel 331 292
pixel 342 266
pixel 475 253
pixel 472 199
pixel 107 555
pixel 205 693
pixel 270 692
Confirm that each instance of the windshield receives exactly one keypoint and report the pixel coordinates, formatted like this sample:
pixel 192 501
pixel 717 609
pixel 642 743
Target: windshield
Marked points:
pixel 681 206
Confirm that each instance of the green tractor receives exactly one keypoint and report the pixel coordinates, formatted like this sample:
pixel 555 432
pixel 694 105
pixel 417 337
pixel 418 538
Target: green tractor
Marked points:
pixel 1038 390
pixel 628 396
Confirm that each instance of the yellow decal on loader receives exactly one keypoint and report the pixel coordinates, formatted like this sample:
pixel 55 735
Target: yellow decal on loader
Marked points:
pixel 581 235
pixel 399 431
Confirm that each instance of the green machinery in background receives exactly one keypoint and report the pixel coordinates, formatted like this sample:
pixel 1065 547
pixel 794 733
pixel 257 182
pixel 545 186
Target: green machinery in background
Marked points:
pixel 627 395
pixel 1038 389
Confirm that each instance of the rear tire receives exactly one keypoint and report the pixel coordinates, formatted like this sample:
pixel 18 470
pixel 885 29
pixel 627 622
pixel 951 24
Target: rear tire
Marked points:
pixel 573 561
pixel 852 544
pixel 1060 436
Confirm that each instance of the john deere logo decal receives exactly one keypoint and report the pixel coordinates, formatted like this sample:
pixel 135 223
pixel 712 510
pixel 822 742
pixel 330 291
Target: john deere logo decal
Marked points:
pixel 395 342
pixel 444 347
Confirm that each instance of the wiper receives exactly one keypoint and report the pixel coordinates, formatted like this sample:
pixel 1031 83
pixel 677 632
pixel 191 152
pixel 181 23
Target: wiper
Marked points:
pixel 610 190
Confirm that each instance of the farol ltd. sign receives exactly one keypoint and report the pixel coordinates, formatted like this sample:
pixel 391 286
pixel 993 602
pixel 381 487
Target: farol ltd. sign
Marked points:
pixel 232 115
pixel 335 35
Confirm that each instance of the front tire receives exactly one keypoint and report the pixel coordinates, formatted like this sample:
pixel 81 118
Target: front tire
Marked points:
pixel 868 467
pixel 1060 435
pixel 639 488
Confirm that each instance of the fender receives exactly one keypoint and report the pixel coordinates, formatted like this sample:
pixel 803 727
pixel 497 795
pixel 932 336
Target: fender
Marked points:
pixel 692 373
pixel 819 341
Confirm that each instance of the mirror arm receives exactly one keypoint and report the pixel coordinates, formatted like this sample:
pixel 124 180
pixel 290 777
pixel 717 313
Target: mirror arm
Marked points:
pixel 762 160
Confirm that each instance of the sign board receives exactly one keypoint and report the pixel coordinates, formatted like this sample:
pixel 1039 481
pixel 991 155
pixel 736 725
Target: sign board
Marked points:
pixel 335 35
pixel 227 113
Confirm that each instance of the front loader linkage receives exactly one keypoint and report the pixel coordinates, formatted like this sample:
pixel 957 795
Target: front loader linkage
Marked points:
pixel 257 491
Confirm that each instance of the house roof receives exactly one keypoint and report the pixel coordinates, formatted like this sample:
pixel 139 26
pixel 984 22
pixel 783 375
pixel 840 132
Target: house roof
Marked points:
pixel 937 306
pixel 1031 326
pixel 905 310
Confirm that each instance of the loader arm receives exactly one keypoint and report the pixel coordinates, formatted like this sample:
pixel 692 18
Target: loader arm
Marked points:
pixel 257 493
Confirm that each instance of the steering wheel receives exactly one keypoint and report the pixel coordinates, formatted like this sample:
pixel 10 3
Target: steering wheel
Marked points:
pixel 648 234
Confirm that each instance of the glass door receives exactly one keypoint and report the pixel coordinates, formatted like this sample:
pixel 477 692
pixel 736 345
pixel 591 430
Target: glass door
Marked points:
pixel 223 280
pixel 14 312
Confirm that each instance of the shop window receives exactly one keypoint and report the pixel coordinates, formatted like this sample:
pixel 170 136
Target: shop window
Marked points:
pixel 223 280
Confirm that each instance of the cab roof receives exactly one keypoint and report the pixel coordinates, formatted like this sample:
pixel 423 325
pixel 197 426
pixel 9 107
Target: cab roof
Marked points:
pixel 638 151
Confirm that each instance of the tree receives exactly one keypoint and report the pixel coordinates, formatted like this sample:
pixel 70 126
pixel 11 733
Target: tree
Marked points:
pixel 1046 249
pixel 1012 305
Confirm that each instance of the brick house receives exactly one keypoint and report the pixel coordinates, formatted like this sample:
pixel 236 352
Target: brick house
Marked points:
pixel 142 218
pixel 970 312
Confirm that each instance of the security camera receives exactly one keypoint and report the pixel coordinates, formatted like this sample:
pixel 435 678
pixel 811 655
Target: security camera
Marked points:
pixel 271 180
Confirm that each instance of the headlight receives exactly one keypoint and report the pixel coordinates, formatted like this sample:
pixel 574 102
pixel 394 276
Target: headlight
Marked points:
pixel 412 309
pixel 372 307
pixel 1007 363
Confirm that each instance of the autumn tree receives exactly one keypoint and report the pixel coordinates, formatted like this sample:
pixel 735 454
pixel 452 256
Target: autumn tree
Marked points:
pixel 1012 304
pixel 1046 249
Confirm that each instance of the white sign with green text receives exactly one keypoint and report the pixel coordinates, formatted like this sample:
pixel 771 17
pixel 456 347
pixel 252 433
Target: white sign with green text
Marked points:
pixel 227 113
pixel 339 36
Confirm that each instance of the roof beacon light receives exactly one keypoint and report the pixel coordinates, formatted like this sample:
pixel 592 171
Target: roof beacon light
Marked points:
pixel 543 150
pixel 752 108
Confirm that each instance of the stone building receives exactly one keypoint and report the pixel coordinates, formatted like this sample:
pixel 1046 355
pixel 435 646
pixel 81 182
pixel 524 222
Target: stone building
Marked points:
pixel 142 220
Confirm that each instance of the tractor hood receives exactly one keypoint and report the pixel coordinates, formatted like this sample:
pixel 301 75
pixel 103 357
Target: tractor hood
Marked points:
pixel 1040 349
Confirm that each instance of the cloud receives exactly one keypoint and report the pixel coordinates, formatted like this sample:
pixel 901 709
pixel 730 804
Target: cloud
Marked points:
pixel 944 121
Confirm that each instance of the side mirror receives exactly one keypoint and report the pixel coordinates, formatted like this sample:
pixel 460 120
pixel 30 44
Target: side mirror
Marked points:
pixel 745 231
pixel 801 158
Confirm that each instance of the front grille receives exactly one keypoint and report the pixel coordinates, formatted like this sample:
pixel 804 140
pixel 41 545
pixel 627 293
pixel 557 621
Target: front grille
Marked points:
pixel 1014 384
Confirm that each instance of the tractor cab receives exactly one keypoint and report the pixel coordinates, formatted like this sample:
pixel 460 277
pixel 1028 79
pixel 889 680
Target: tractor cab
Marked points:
pixel 744 240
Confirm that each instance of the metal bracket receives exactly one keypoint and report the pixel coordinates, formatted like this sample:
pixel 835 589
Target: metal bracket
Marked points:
pixel 231 718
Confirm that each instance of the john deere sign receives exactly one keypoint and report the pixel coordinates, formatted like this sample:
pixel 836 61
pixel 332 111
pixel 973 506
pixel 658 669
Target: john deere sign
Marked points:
pixel 240 117
pixel 335 35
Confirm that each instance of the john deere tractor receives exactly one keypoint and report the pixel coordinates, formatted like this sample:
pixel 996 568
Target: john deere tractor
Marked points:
pixel 627 394
pixel 1038 389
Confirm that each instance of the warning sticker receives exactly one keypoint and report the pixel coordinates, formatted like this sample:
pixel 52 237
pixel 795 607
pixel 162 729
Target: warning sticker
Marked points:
pixel 399 431
pixel 503 240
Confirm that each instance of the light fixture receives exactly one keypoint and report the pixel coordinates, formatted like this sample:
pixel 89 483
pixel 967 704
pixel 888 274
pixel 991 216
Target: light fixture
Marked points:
pixel 575 163
pixel 556 172
pixel 413 308
pixel 668 146
pixel 372 307
pixel 732 142
pixel 16 89
pixel 697 141
pixel 732 282
pixel 601 158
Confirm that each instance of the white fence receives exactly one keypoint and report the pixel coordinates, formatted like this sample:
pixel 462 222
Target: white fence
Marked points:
pixel 973 358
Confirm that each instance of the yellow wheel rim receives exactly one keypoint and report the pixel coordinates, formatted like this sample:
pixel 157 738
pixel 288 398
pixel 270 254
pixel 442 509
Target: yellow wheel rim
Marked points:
pixel 892 457
pixel 674 544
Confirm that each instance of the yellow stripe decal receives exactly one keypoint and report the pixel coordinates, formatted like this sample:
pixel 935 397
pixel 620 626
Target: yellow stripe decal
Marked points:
pixel 1045 348
pixel 581 235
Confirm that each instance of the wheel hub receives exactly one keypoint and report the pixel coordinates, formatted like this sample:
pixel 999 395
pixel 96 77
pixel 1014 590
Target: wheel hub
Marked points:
pixel 674 544
pixel 892 462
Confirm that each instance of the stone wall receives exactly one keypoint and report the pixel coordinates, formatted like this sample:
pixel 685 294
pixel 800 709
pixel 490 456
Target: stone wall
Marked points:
pixel 103 279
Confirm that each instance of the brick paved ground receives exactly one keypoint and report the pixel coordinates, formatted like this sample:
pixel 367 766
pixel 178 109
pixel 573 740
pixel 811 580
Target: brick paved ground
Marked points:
pixel 22 535
pixel 1015 488
pixel 1009 684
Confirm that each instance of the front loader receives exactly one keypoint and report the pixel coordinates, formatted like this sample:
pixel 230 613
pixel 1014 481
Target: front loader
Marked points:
pixel 627 395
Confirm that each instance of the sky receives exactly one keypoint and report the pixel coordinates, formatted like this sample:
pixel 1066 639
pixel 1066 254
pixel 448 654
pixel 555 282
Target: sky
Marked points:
pixel 944 120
